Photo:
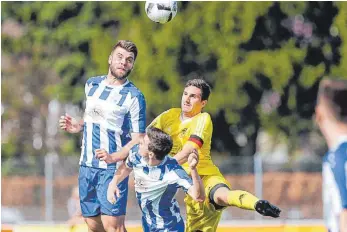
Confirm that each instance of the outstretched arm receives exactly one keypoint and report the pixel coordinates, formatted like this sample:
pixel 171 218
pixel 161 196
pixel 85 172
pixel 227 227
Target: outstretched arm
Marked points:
pixel 182 156
pixel 197 191
pixel 122 172
pixel 119 155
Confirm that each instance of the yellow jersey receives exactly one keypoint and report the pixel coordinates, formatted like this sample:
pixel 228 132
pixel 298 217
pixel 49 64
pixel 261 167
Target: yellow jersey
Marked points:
pixel 196 130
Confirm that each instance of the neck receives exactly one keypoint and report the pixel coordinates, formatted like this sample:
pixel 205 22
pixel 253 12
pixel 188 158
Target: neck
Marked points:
pixel 113 80
pixel 186 115
pixel 333 132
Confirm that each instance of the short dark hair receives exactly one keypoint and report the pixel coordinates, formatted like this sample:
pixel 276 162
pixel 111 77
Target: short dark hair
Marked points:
pixel 334 94
pixel 127 45
pixel 160 142
pixel 202 85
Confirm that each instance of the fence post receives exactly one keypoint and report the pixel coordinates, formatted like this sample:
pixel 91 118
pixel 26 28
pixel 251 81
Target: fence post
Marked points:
pixel 258 179
pixel 49 187
pixel 52 156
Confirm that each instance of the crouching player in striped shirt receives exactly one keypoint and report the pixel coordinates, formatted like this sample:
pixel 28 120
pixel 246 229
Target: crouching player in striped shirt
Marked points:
pixel 157 178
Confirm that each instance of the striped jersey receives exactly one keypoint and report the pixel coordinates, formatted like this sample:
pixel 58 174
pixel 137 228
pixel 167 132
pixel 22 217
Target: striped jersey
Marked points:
pixel 335 184
pixel 111 114
pixel 155 188
pixel 196 130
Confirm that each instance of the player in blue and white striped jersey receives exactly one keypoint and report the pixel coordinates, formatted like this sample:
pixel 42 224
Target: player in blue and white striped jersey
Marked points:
pixel 157 178
pixel 114 121
pixel 331 117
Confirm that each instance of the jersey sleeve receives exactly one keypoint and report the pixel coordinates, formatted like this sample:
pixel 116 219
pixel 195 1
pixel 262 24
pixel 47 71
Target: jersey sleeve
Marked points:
pixel 88 85
pixel 138 114
pixel 129 161
pixel 202 131
pixel 182 179
pixel 133 158
pixel 86 88
pixel 339 168
pixel 92 84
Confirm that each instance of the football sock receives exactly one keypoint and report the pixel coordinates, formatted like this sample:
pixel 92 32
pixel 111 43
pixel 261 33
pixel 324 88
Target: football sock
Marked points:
pixel 242 199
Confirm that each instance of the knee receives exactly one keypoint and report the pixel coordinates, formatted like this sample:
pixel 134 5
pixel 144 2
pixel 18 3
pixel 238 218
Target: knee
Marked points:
pixel 219 194
pixel 93 225
pixel 115 225
pixel 117 228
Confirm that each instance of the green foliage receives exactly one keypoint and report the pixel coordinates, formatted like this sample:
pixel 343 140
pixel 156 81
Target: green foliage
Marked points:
pixel 340 24
pixel 67 42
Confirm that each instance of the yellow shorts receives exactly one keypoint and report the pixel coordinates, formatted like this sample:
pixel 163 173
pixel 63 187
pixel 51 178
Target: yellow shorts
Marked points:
pixel 204 216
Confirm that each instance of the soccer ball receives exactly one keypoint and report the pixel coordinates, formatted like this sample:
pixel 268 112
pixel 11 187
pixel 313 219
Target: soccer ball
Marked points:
pixel 161 11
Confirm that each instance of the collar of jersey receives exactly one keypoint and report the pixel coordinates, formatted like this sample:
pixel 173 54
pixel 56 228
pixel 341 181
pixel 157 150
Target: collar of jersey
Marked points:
pixel 340 140
pixel 188 119
pixel 114 86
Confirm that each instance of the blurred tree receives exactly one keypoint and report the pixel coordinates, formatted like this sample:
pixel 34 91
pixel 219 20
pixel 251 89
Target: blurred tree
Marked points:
pixel 263 60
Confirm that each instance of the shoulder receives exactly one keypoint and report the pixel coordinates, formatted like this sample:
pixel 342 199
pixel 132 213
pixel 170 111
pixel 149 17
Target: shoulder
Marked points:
pixel 173 112
pixel 341 152
pixel 133 90
pixel 134 155
pixel 205 116
pixel 337 159
pixel 342 148
pixel 135 148
pixel 172 164
pixel 204 119
pixel 96 79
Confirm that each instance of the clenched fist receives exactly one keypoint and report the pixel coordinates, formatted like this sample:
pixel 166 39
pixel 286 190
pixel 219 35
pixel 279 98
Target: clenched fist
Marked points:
pixel 103 155
pixel 193 159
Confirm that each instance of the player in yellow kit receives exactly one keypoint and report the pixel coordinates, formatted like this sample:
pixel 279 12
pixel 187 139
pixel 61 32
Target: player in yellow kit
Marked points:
pixel 192 129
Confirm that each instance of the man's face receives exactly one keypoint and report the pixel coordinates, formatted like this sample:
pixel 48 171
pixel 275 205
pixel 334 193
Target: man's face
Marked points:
pixel 143 146
pixel 121 63
pixel 191 101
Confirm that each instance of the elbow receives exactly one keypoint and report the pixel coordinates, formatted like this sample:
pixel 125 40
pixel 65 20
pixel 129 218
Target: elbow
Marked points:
pixel 200 198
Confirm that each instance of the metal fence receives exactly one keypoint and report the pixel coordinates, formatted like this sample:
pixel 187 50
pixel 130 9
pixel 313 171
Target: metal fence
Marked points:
pixel 43 194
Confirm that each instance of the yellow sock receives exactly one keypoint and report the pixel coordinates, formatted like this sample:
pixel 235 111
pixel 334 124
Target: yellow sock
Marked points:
pixel 242 199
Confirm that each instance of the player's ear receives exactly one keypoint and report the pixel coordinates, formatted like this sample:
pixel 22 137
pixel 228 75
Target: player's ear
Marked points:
pixel 110 59
pixel 204 102
pixel 318 114
pixel 151 155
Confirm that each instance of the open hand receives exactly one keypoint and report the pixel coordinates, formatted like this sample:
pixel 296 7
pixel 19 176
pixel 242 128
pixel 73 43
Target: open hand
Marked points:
pixel 69 124
pixel 113 193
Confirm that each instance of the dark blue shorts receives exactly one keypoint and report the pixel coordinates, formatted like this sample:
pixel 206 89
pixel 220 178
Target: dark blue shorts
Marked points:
pixel 93 184
pixel 173 227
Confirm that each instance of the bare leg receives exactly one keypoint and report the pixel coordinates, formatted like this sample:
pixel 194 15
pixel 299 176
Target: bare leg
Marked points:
pixel 94 224
pixel 113 224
